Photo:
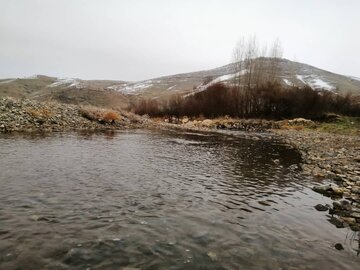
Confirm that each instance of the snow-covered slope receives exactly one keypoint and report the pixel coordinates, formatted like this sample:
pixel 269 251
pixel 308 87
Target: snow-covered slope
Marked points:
pixel 66 82
pixel 315 82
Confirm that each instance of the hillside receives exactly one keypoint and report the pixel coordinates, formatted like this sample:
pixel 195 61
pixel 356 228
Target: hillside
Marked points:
pixel 292 72
pixel 119 94
pixel 72 91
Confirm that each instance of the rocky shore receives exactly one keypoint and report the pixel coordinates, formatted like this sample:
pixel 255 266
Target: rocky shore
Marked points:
pixel 335 159
pixel 29 116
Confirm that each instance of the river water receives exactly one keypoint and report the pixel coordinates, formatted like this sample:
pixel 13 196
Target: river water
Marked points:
pixel 161 200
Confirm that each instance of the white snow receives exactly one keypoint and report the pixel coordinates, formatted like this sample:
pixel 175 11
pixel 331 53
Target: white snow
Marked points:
pixel 132 88
pixel 315 82
pixel 223 78
pixel 300 77
pixel 318 83
pixel 69 82
pixel 171 87
pixel 229 76
pixel 288 82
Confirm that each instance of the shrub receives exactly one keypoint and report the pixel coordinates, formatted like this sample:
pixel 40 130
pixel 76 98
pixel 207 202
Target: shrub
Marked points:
pixel 110 116
pixel 101 115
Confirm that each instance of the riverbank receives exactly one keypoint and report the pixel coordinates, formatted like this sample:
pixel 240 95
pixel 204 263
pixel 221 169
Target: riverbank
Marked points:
pixel 32 116
pixel 334 159
pixel 329 150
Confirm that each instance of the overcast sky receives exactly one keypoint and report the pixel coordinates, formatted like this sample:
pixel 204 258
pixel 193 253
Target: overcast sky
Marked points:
pixel 140 39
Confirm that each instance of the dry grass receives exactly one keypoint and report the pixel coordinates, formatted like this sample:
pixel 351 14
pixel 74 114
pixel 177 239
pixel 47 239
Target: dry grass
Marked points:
pixel 344 125
pixel 42 112
pixel 101 115
pixel 110 116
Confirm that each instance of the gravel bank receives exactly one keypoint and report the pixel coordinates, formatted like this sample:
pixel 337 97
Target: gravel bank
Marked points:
pixel 30 116
pixel 335 158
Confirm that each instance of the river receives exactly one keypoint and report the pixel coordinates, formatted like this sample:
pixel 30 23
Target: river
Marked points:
pixel 161 200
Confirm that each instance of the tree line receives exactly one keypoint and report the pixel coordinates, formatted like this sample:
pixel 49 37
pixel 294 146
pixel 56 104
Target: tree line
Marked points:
pixel 269 101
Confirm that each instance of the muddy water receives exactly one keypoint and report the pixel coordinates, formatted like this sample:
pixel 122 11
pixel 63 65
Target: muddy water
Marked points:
pixel 161 200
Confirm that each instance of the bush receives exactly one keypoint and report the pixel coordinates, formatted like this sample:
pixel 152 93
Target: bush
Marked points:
pixel 110 116
pixel 100 115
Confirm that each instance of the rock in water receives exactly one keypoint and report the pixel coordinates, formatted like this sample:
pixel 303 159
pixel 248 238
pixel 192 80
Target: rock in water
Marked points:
pixel 321 207
pixel 339 246
pixel 330 189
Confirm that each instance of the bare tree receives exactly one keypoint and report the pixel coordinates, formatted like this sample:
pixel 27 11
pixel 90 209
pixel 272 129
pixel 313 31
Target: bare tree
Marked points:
pixel 276 53
pixel 260 67
pixel 251 54
pixel 238 62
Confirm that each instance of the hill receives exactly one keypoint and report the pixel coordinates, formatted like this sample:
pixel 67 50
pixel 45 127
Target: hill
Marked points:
pixel 71 91
pixel 291 73
pixel 119 94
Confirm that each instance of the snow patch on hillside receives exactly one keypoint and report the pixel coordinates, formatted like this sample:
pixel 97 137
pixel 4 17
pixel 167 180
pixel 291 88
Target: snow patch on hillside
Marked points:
pixel 132 88
pixel 68 82
pixel 286 81
pixel 315 82
pixel 224 78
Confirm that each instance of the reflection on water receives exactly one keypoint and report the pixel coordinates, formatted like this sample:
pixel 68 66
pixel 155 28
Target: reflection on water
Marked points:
pixel 151 200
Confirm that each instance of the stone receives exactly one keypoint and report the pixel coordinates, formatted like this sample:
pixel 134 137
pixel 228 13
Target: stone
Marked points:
pixel 212 255
pixel 337 222
pixel 349 220
pixel 342 205
pixel 355 227
pixel 355 215
pixel 329 189
pixel 185 120
pixel 338 178
pixel 339 246
pixel 321 207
